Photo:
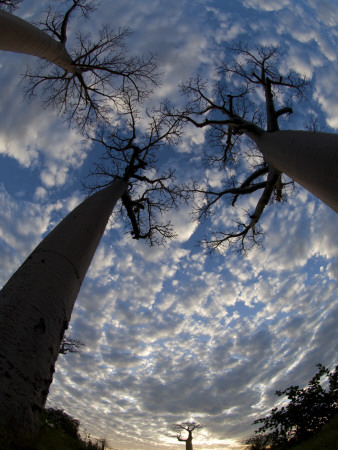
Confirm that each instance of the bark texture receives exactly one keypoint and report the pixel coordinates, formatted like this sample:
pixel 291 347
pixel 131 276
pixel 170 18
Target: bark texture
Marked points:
pixel 311 159
pixel 36 306
pixel 19 36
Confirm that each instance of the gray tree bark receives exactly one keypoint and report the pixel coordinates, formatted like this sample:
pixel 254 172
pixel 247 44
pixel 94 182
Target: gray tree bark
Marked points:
pixel 36 306
pixel 311 159
pixel 19 36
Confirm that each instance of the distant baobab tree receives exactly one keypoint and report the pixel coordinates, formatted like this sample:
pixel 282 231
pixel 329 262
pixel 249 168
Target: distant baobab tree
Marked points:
pixel 186 428
pixel 84 80
pixel 231 109
pixel 37 302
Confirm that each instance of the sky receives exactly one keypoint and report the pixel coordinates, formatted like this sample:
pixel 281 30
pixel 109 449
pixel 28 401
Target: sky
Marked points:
pixel 171 333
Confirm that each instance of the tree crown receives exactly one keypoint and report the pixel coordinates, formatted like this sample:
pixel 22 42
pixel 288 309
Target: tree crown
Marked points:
pixel 307 411
pixel 229 109
pixel 103 70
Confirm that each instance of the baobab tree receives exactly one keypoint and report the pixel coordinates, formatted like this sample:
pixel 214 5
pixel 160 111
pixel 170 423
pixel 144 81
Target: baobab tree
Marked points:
pixel 187 427
pixel 82 80
pixel 37 302
pixel 231 110
pixel 149 196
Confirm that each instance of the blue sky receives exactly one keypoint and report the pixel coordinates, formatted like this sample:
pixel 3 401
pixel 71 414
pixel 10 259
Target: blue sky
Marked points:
pixel 171 333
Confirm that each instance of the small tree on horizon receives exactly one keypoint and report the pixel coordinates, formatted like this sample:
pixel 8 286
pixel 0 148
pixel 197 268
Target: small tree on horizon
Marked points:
pixel 186 427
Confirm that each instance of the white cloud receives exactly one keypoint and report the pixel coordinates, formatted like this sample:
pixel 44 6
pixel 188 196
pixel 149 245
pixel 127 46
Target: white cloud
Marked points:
pixel 171 333
pixel 326 11
pixel 266 5
pixel 325 93
pixel 22 224
pixel 34 136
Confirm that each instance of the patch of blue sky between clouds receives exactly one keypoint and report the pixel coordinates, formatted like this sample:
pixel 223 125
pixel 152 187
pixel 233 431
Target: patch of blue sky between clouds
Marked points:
pixel 171 333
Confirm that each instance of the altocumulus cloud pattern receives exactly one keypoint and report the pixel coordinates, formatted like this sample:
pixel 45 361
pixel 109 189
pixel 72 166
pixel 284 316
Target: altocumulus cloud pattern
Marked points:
pixel 171 333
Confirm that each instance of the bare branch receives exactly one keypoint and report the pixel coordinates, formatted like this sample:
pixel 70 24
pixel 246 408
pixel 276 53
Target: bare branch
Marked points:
pixel 247 234
pixel 188 427
pixel 104 71
pixel 228 110
pixel 286 110
pixel 131 152
pixel 70 345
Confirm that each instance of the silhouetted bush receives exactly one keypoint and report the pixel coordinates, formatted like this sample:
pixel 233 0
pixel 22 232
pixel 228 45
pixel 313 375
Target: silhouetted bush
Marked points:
pixel 303 417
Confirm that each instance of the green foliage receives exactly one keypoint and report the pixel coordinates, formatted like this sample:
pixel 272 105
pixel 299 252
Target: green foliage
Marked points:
pixel 59 431
pixel 306 413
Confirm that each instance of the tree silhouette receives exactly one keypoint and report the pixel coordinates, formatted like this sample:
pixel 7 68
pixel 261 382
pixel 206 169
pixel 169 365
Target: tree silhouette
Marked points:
pixel 37 302
pixel 87 80
pixel 231 110
pixel 132 149
pixel 58 419
pixel 70 345
pixel 187 427
pixel 305 414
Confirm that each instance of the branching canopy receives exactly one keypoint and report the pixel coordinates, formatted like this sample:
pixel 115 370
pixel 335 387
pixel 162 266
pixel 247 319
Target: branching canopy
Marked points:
pixel 103 69
pixel 229 109
pixel 131 151
pixel 188 426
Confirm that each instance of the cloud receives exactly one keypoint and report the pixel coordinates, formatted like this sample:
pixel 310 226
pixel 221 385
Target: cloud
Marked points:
pixel 21 225
pixel 326 12
pixel 35 137
pixel 170 332
pixel 325 93
pixel 266 5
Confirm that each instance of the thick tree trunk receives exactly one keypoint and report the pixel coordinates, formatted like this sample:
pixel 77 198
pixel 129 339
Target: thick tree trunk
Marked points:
pixel 311 159
pixel 19 36
pixel 271 116
pixel 36 305
pixel 188 445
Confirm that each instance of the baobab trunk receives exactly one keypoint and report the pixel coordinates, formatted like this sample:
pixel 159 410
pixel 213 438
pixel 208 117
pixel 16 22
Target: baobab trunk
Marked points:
pixel 19 36
pixel 188 441
pixel 310 159
pixel 36 306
